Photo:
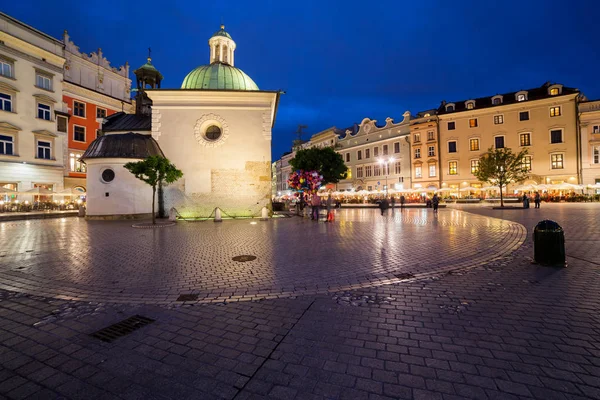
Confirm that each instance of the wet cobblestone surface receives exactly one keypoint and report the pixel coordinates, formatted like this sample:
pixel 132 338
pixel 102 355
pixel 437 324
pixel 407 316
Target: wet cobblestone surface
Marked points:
pixel 503 329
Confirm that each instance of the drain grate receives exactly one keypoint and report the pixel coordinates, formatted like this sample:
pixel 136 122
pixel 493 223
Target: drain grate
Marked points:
pixel 187 297
pixel 404 275
pixel 122 328
pixel 244 258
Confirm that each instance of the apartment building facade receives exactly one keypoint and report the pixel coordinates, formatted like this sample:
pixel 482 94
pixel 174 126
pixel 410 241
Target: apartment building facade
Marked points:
pixel 425 151
pixel 589 122
pixel 32 147
pixel 542 120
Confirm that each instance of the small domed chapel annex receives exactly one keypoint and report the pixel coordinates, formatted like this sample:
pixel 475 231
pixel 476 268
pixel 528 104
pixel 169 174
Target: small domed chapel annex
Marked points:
pixel 216 128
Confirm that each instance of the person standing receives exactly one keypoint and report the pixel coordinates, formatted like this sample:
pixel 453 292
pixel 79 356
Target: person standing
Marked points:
pixel 384 205
pixel 316 205
pixel 525 201
pixel 435 201
pixel 329 212
pixel 393 203
pixel 402 201
pixel 537 200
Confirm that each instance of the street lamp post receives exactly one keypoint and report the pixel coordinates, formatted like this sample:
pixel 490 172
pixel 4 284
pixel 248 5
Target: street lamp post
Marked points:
pixel 386 164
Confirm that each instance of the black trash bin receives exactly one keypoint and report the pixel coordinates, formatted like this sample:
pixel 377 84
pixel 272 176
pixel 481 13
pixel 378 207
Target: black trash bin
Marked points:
pixel 549 244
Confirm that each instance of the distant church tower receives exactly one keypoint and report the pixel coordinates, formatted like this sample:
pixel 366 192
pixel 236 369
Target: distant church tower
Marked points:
pixel 147 77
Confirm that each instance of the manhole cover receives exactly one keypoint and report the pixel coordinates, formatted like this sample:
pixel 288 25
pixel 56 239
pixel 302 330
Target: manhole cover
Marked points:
pixel 244 258
pixel 122 328
pixel 404 275
pixel 187 297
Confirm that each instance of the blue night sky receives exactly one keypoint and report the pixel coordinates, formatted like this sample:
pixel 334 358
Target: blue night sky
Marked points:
pixel 341 61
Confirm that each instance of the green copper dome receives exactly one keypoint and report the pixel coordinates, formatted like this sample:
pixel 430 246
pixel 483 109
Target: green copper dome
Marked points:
pixel 222 32
pixel 218 76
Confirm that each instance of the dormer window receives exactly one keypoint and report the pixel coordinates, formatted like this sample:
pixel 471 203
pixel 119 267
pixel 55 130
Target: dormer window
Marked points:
pixel 555 90
pixel 427 115
pixel 450 107
pixel 497 100
pixel 521 96
pixel 470 105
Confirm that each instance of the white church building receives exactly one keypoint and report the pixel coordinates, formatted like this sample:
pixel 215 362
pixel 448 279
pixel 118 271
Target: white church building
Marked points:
pixel 216 129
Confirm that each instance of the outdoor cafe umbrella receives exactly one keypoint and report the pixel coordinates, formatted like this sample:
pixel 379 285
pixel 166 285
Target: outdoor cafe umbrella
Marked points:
pixel 470 189
pixel 70 192
pixel 525 187
pixel 38 191
pixel 4 190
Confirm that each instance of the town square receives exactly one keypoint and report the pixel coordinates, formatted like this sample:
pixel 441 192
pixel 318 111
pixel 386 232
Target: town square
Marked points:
pixel 299 201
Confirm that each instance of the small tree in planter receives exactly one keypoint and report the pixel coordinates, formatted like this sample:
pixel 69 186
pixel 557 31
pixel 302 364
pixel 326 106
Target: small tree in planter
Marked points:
pixel 154 170
pixel 501 166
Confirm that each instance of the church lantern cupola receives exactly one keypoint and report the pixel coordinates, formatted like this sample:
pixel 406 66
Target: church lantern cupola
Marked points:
pixel 147 77
pixel 222 47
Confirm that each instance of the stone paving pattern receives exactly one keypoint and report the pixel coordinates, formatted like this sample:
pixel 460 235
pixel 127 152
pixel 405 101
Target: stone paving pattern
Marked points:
pixel 507 329
pixel 107 261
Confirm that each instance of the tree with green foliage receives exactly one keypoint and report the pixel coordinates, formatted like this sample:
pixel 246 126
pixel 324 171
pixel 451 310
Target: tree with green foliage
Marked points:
pixel 324 160
pixel 500 167
pixel 154 170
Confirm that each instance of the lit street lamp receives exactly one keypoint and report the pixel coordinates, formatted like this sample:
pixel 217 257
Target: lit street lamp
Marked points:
pixel 386 164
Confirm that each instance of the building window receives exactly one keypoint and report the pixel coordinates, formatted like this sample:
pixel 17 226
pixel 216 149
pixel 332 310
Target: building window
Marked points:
pixel 431 151
pixel 75 164
pixel 596 129
pixel 474 166
pixel 451 126
pixel 79 133
pixel 5 102
pixel 556 136
pixel 417 153
pixel 44 150
pixel 79 109
pixel 524 116
pixel 61 124
pixel 498 119
pixel 367 153
pixel 99 133
pixel 418 173
pixel 107 176
pixel 497 101
pixel 6 68
pixel 473 123
pixel 452 146
pixel 430 135
pixel 555 111
pixel 43 81
pixel 385 149
pixel 453 167
pixel 397 167
pixel 100 112
pixel 499 142
pixel 521 97
pixel 527 163
pixel 470 105
pixel 525 139
pixel 417 137
pixel 43 111
pixel 359 172
pixel 397 147
pixel 474 144
pixel 368 171
pixel 376 170
pixel 554 92
pixel 450 108
pixel 596 151
pixel 557 161
pixel 375 151
pixel 349 173
pixel 347 157
pixel 359 155
pixel 6 145
pixel 432 170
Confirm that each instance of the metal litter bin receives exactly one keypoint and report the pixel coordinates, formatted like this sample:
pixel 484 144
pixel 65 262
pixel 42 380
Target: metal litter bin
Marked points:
pixel 549 244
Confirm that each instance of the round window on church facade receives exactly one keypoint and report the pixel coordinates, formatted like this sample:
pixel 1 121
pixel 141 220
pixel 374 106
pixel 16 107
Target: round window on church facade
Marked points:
pixel 213 132
pixel 108 175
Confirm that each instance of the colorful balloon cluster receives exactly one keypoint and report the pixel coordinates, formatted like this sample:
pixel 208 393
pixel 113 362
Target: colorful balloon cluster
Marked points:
pixel 305 181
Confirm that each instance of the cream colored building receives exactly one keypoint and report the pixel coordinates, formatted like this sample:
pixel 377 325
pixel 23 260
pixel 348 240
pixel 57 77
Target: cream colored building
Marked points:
pixel 589 117
pixel 542 120
pixel 425 151
pixel 32 150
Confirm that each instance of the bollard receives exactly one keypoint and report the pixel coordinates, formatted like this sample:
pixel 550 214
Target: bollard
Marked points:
pixel 264 214
pixel 549 244
pixel 172 214
pixel 218 217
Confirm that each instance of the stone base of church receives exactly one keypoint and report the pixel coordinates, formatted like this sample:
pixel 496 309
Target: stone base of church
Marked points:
pixel 119 217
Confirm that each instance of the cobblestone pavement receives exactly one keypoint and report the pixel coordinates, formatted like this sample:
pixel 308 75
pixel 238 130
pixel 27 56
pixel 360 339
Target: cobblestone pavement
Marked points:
pixel 108 261
pixel 506 329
